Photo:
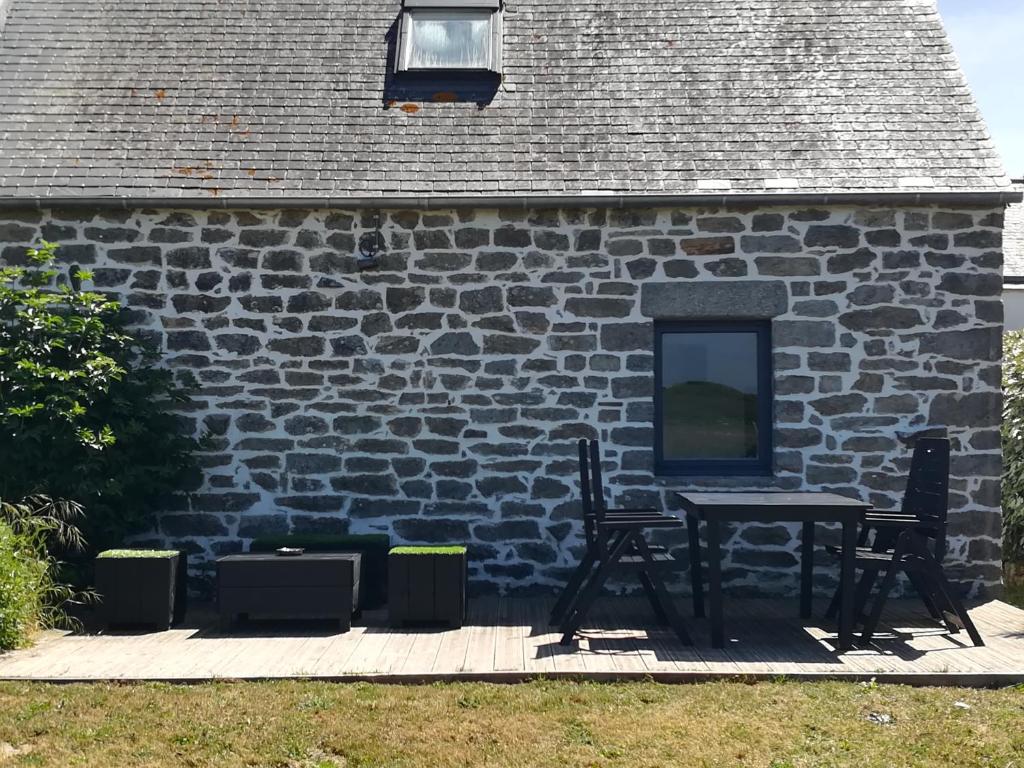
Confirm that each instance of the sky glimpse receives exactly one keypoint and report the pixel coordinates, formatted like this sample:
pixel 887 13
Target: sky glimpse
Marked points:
pixel 989 39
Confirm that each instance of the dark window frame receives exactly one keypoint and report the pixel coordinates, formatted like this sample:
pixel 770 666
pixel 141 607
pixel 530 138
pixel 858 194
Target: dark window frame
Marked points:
pixel 763 464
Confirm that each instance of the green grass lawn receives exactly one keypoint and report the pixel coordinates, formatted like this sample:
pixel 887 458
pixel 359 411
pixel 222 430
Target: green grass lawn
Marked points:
pixel 771 725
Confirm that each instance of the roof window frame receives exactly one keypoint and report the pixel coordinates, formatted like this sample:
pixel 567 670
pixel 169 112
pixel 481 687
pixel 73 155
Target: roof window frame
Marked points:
pixel 456 7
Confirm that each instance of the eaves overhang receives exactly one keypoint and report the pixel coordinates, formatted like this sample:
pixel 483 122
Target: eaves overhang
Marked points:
pixel 903 198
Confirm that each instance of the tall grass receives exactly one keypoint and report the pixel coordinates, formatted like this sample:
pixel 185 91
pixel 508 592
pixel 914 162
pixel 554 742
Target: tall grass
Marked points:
pixel 31 594
pixel 22 583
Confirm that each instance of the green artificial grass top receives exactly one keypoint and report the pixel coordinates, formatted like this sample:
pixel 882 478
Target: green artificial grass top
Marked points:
pixel 428 551
pixel 129 553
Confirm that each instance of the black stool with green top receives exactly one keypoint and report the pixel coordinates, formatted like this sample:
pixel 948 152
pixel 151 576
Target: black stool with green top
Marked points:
pixel 427 585
pixel 142 586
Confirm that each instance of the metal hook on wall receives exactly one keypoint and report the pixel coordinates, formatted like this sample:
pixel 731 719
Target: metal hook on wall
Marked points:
pixel 371 244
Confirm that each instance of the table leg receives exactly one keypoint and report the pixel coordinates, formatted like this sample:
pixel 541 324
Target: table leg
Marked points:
pixel 696 577
pixel 806 569
pixel 715 583
pixel 846 585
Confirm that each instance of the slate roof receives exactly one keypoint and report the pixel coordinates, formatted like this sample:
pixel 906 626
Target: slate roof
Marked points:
pixel 244 98
pixel 1013 239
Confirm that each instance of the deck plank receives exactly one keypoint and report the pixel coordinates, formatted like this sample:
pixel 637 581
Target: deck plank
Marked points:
pixel 451 654
pixel 423 653
pixel 482 637
pixel 336 659
pixel 538 654
pixel 508 645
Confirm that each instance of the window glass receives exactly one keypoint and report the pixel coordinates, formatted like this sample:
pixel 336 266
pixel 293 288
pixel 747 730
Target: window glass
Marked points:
pixel 712 398
pixel 449 40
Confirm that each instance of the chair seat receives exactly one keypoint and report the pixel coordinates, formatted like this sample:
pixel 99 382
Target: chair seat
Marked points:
pixel 661 559
pixel 867 557
pixel 656 549
pixel 832 549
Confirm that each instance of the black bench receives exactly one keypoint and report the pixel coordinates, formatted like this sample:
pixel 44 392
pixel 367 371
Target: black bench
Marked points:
pixel 308 586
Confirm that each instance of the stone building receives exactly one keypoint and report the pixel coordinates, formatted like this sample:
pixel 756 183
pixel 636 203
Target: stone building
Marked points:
pixel 414 253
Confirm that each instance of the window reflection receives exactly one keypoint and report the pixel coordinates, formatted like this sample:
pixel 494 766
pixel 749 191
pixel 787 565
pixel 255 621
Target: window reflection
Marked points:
pixel 449 40
pixel 709 395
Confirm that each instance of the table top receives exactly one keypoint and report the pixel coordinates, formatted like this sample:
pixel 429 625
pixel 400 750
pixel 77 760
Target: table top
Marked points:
pixel 770 499
pixel 271 557
pixel 773 505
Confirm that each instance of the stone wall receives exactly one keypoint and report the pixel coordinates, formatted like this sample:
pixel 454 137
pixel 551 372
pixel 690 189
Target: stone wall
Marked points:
pixel 439 396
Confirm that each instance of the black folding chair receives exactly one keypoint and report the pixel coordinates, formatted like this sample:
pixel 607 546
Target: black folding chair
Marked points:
pixel 586 565
pixel 615 541
pixel 911 541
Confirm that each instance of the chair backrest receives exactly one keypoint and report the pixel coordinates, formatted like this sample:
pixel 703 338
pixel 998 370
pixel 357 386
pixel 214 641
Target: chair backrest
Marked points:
pixel 596 481
pixel 591 491
pixel 586 489
pixel 927 494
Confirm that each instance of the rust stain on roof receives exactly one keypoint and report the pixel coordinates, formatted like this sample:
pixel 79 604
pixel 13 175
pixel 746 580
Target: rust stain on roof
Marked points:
pixel 444 97
pixel 410 109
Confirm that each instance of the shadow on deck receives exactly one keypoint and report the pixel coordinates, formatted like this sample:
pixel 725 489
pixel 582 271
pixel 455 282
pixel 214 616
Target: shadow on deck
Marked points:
pixel 508 639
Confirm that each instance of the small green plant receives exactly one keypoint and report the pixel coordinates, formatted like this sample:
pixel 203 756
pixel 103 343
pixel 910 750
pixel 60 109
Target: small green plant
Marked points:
pixel 1013 446
pixel 85 413
pixel 31 594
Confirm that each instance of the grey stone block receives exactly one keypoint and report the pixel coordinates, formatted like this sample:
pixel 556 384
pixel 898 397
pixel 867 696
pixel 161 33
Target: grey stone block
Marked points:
pixel 733 299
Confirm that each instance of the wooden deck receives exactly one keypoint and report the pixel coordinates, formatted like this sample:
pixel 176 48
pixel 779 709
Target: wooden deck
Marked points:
pixel 508 640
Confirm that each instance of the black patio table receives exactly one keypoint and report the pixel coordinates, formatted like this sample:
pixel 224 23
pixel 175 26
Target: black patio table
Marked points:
pixel 772 507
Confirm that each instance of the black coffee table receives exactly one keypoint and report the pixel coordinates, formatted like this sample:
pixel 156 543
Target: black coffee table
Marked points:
pixel 772 507
pixel 323 585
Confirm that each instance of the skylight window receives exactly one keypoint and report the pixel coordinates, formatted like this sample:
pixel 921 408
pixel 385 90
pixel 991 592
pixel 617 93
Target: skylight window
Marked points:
pixel 450 35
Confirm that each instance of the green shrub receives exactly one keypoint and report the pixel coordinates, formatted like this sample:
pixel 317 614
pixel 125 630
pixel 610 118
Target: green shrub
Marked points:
pixel 31 596
pixel 85 414
pixel 22 577
pixel 1013 446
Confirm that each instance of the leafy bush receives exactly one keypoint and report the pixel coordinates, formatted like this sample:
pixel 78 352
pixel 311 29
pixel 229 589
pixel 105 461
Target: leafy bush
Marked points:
pixel 1013 446
pixel 31 596
pixel 85 414
pixel 20 588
